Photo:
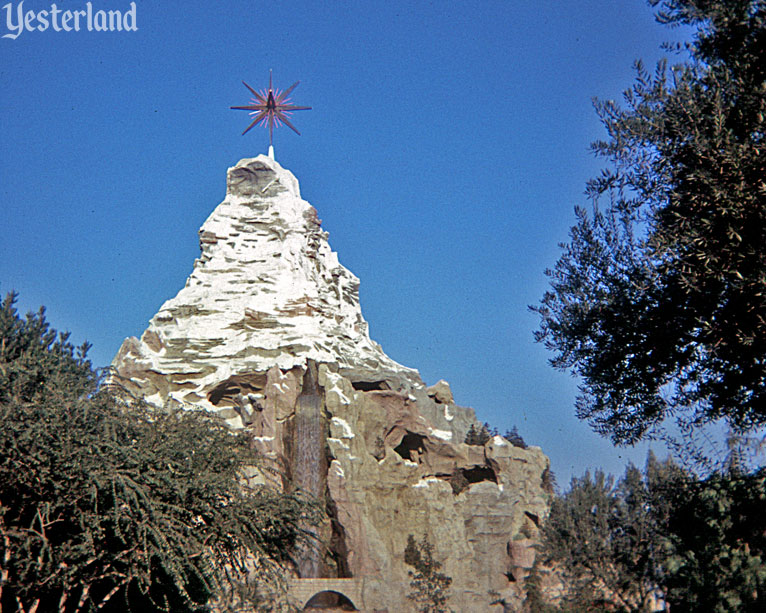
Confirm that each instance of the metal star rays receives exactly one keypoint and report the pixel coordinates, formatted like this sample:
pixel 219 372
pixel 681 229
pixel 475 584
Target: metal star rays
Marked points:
pixel 271 107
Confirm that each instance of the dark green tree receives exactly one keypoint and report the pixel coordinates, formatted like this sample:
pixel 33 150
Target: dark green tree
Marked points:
pixel 608 541
pixel 514 438
pixel 659 300
pixel 718 531
pixel 698 544
pixel 430 587
pixel 111 507
pixel 36 361
pixel 478 436
pixel 536 600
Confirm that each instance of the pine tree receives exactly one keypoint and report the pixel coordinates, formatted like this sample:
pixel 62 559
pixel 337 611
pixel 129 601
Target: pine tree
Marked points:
pixel 698 544
pixel 430 588
pixel 606 542
pixel 514 438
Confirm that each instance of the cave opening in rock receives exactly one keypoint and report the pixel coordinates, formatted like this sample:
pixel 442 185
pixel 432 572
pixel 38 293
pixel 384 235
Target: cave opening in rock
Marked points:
pixel 462 478
pixel 535 519
pixel 370 386
pixel 411 447
pixel 224 393
pixel 476 474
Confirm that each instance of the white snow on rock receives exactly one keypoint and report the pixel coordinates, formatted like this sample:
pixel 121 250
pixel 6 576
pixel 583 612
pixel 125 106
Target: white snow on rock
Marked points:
pixel 266 290
pixel 340 428
pixel 425 482
pixel 445 435
pixel 338 442
pixel 334 388
pixel 337 468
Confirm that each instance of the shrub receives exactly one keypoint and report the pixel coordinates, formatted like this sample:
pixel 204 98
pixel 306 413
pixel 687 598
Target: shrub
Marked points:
pixel 698 543
pixel 109 507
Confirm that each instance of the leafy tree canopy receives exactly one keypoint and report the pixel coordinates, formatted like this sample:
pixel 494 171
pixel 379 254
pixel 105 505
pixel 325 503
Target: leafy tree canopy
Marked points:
pixel 607 540
pixel 658 535
pixel 108 507
pixel 659 300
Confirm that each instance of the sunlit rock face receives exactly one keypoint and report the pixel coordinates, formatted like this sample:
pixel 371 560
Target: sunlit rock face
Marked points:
pixel 266 290
pixel 268 332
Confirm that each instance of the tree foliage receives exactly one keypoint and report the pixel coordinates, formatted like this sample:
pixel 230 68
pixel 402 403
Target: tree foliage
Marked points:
pixel 659 299
pixel 514 438
pixel 36 361
pixel 430 587
pixel 108 507
pixel 607 539
pixel 478 436
pixel 696 544
pixel 718 533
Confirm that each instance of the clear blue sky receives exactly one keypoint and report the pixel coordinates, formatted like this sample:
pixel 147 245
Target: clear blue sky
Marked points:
pixel 446 149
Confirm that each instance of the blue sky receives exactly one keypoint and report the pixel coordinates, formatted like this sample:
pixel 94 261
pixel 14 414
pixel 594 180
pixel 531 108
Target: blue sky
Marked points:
pixel 446 149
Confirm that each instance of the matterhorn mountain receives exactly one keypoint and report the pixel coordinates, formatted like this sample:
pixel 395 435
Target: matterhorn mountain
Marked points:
pixel 266 291
pixel 268 332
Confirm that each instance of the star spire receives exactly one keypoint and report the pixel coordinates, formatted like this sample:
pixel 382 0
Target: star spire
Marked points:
pixel 271 108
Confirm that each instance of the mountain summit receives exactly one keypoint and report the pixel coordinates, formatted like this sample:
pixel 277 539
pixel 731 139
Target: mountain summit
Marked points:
pixel 268 333
pixel 266 291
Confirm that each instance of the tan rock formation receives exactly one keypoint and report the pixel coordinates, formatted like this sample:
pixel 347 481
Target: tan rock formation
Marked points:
pixel 268 331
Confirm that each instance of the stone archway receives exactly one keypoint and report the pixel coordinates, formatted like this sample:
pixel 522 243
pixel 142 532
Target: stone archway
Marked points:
pixel 345 592
pixel 330 600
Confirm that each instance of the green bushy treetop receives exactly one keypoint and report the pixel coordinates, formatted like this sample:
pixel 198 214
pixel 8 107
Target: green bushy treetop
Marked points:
pixel 111 507
pixel 718 530
pixel 658 535
pixel 430 587
pixel 659 300
pixel 478 436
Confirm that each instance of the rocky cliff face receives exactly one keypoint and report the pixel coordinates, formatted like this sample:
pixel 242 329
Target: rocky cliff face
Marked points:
pixel 268 331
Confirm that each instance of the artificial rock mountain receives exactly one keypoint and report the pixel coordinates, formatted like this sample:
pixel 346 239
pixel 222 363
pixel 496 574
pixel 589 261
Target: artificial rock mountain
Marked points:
pixel 268 332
